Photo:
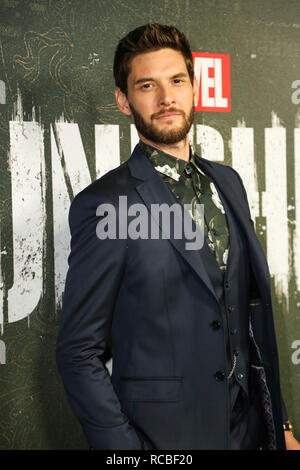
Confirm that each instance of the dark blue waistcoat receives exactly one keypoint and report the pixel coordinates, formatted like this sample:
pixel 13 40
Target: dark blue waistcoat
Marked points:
pixel 233 291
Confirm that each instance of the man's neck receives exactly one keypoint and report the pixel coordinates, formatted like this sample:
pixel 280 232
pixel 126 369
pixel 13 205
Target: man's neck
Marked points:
pixel 179 150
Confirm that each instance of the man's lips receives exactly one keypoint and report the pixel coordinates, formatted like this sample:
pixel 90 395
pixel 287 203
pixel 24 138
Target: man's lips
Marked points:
pixel 168 115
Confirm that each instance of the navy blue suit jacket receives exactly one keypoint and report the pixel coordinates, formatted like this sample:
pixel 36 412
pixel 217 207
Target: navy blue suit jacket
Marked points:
pixel 150 303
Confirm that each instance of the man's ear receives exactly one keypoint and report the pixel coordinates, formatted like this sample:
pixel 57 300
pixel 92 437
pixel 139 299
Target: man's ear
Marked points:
pixel 122 102
pixel 196 91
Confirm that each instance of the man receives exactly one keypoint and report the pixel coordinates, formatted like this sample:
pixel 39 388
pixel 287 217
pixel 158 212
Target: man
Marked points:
pixel 191 332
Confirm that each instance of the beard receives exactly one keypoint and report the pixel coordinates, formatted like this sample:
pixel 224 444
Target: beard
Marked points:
pixel 168 137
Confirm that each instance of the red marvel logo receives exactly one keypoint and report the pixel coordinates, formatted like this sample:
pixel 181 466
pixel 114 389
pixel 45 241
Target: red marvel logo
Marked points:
pixel 213 74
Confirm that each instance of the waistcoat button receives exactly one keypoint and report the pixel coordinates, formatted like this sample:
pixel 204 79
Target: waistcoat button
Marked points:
pixel 216 325
pixel 219 375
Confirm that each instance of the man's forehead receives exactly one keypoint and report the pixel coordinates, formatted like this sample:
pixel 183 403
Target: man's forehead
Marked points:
pixel 155 63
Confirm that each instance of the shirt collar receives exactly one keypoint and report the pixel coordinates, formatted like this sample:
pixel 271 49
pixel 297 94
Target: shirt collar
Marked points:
pixel 166 163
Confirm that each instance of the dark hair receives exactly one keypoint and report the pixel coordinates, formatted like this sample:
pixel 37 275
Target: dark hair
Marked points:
pixel 150 37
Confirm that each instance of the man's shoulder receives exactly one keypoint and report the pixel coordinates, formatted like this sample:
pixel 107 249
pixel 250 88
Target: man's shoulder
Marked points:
pixel 107 187
pixel 224 169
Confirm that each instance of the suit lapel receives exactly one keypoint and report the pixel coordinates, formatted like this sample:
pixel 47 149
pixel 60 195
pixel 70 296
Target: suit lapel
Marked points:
pixel 232 196
pixel 153 190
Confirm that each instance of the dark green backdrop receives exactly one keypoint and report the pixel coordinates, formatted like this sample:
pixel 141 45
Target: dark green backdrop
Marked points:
pixel 59 55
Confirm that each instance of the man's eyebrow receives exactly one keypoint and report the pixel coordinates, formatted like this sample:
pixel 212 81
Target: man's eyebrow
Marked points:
pixel 142 80
pixel 151 79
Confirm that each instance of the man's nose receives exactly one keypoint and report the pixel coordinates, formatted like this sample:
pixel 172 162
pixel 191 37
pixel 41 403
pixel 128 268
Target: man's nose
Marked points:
pixel 166 97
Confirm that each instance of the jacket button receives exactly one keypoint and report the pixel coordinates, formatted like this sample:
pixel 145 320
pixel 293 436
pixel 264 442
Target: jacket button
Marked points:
pixel 230 308
pixel 233 331
pixel 240 376
pixel 219 375
pixel 227 284
pixel 216 325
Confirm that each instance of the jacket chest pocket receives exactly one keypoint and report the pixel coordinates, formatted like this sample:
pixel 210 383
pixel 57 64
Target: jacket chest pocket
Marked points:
pixel 151 389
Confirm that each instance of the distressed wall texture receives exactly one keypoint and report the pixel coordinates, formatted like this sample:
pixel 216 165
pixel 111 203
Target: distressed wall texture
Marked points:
pixel 60 129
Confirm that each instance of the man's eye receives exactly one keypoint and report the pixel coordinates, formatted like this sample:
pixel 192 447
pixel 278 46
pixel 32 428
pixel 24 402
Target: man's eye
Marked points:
pixel 146 85
pixel 177 80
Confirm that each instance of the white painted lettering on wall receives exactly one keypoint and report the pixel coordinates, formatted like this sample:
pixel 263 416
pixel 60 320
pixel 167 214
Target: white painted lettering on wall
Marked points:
pixel 2 352
pixel 69 165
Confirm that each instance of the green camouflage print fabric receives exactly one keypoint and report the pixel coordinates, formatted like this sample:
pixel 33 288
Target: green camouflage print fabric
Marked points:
pixel 190 185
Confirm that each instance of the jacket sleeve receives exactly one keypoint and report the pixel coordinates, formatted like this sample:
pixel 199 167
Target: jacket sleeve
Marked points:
pixel 91 289
pixel 283 407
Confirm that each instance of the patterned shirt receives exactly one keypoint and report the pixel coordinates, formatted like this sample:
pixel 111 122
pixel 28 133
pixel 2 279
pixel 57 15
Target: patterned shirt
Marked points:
pixel 190 185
